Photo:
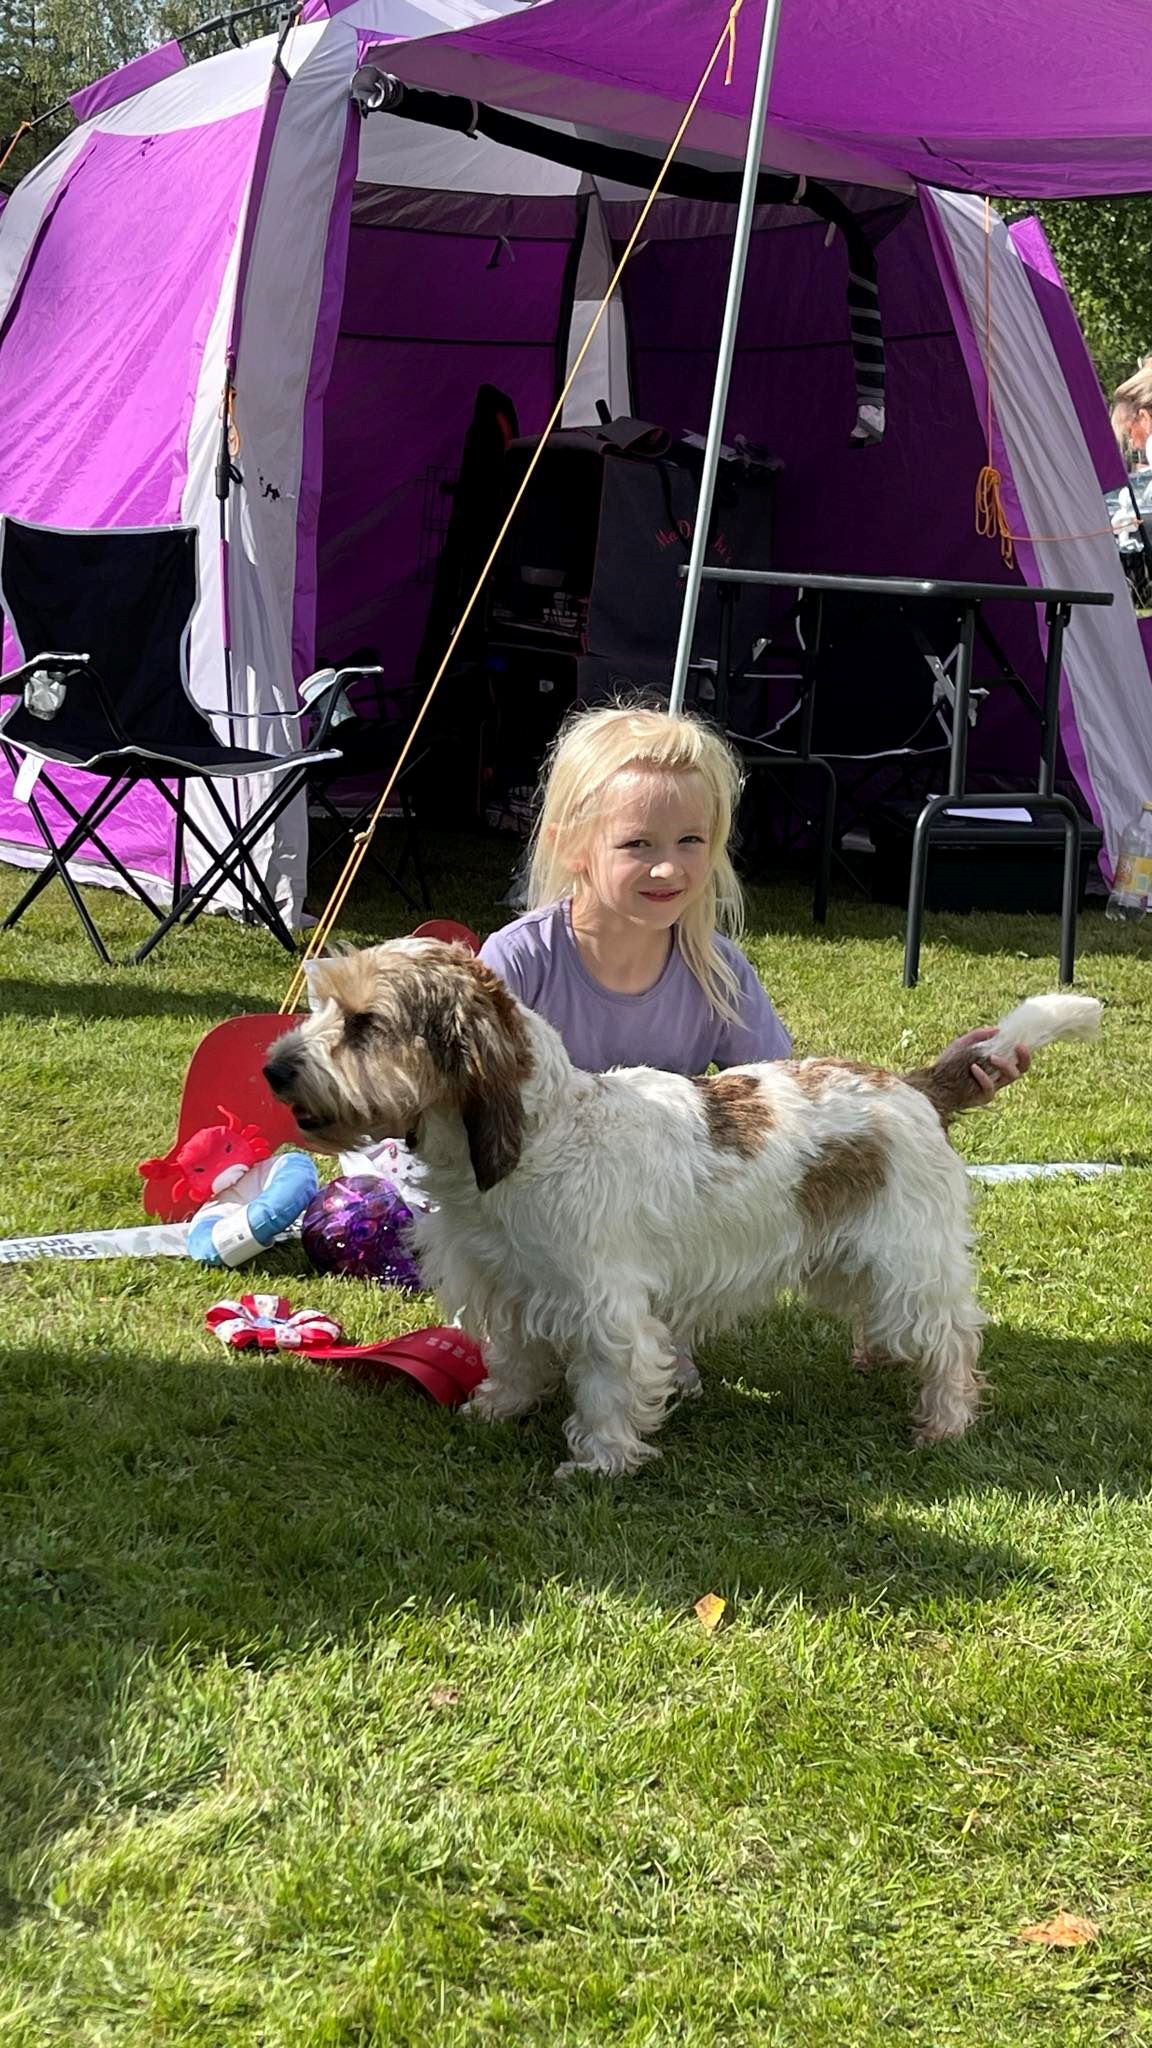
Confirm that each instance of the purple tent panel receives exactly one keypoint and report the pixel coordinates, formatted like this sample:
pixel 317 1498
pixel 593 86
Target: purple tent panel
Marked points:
pixel 1020 97
pixel 1068 341
pixel 132 78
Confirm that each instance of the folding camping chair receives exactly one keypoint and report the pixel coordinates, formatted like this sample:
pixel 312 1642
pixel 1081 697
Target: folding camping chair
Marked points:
pixel 368 742
pixel 116 705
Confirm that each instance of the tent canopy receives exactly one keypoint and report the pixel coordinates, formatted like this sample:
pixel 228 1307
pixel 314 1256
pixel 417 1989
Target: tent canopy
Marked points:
pixel 1025 98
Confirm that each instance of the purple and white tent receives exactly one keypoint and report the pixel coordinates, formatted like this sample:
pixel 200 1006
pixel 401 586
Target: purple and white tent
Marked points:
pixel 363 277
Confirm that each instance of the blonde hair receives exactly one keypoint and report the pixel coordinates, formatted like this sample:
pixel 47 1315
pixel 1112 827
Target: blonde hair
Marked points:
pixel 592 749
pixel 1131 397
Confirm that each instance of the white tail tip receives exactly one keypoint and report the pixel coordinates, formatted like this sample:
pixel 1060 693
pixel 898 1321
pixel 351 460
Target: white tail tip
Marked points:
pixel 1040 1020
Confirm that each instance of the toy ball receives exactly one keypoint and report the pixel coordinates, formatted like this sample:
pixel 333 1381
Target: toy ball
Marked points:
pixel 358 1226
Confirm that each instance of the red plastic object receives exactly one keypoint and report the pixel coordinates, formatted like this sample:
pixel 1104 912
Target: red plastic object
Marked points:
pixel 445 1362
pixel 226 1071
pixel 452 934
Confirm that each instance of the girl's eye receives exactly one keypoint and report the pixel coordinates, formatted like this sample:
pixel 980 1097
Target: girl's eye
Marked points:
pixel 692 839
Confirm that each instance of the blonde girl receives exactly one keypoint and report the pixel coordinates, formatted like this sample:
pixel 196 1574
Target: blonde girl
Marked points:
pixel 628 948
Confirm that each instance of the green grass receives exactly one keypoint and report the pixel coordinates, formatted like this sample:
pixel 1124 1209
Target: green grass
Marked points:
pixel 328 1720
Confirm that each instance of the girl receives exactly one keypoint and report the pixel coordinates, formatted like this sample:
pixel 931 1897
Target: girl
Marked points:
pixel 628 946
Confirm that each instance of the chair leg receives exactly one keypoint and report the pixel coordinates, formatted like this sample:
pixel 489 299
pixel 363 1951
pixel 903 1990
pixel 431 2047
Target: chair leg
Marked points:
pixel 56 866
pixel 60 866
pixel 412 852
pixel 231 863
pixel 349 827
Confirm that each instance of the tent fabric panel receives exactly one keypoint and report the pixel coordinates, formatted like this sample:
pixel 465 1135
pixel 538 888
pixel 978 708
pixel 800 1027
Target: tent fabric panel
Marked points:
pixel 903 507
pixel 294 236
pixel 1067 338
pixel 958 106
pixel 408 366
pixel 132 275
pixel 162 62
pixel 1106 707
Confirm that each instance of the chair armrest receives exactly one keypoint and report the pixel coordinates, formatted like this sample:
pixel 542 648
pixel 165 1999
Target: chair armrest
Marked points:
pixel 12 684
pixel 322 693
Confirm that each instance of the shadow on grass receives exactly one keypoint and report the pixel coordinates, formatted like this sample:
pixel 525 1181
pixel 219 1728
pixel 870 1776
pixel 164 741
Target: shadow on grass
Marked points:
pixel 126 996
pixel 254 1508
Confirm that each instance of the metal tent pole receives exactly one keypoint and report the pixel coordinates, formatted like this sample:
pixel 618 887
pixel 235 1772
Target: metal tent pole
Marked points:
pixel 727 350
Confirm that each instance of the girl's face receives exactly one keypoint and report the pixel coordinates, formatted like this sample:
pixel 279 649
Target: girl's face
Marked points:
pixel 646 857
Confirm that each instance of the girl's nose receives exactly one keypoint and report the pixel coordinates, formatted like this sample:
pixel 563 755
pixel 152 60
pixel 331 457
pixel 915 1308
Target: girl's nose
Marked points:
pixel 661 869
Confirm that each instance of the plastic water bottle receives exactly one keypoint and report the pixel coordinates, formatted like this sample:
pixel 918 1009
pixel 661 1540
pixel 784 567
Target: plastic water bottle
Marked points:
pixel 1131 897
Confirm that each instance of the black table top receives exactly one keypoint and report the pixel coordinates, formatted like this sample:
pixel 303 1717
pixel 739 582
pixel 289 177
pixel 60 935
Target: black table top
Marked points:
pixel 909 586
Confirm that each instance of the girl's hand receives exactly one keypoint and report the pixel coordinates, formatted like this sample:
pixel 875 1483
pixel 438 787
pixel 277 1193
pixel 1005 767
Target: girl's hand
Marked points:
pixel 1009 1066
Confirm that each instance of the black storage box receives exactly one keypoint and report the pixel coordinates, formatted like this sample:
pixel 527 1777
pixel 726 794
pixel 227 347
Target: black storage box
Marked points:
pixel 976 862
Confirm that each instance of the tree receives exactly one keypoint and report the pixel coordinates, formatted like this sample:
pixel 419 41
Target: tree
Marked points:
pixel 50 48
pixel 1104 249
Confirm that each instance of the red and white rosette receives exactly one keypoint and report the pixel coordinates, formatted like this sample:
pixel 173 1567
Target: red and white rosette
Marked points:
pixel 268 1322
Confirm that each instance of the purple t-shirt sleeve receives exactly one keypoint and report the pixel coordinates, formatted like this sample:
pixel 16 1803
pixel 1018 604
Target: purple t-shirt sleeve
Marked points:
pixel 759 1035
pixel 512 955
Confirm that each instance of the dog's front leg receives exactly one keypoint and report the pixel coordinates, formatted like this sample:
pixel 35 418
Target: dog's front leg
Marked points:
pixel 522 1371
pixel 622 1382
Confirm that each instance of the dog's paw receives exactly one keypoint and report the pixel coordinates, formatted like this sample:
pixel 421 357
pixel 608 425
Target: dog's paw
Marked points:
pixel 686 1382
pixel 928 1433
pixel 494 1403
pixel 609 1464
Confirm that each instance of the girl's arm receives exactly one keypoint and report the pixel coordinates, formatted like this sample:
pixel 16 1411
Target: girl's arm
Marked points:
pixel 759 1034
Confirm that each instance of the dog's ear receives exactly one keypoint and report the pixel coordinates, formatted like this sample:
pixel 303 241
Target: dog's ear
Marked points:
pixel 494 1126
pixel 497 1062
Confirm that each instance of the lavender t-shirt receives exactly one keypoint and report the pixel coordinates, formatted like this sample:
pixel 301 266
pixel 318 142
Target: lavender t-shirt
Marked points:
pixel 670 1026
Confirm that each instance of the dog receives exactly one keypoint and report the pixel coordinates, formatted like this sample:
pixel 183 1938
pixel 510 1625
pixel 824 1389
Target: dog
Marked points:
pixel 586 1227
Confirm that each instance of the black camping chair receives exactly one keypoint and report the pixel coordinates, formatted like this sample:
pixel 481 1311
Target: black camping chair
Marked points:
pixel 115 703
pixel 368 742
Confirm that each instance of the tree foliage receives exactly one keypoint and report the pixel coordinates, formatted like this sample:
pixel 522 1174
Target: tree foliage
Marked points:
pixel 1104 249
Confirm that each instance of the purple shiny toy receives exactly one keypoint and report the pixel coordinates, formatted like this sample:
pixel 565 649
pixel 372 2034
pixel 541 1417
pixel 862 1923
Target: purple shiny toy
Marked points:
pixel 358 1227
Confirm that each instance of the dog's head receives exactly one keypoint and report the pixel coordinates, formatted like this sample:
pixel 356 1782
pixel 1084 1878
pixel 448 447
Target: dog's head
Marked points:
pixel 396 1031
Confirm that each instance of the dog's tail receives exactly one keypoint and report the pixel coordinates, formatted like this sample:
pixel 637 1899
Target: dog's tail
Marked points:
pixel 1036 1022
pixel 1041 1020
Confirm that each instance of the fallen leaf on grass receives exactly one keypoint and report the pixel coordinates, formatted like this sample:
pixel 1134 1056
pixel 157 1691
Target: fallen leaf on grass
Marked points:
pixel 1067 1930
pixel 710 1612
pixel 443 1696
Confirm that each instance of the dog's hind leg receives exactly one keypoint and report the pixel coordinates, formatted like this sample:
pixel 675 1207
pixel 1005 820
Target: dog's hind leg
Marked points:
pixel 950 1384
pixel 622 1385
pixel 927 1316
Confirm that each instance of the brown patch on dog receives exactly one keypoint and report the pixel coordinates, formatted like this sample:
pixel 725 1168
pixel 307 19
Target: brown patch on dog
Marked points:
pixel 948 1083
pixel 846 1174
pixel 737 1112
pixel 813 1077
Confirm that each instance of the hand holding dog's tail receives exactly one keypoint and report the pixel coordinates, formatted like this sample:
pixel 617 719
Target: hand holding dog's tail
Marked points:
pixel 1041 1020
pixel 1038 1021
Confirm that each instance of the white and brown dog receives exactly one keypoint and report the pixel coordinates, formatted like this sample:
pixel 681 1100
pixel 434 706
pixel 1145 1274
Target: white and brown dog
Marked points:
pixel 582 1219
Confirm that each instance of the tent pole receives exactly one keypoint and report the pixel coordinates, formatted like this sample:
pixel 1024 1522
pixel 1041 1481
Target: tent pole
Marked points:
pixel 727 350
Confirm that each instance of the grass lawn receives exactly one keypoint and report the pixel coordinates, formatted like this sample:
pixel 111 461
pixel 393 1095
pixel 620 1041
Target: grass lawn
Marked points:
pixel 328 1720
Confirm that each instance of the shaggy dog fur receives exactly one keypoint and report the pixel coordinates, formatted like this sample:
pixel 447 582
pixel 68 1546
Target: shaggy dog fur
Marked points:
pixel 586 1225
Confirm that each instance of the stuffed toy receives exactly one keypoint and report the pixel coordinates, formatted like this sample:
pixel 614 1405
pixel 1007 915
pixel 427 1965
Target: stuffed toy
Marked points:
pixel 240 1195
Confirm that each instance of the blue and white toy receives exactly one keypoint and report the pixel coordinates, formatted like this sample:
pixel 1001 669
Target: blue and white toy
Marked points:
pixel 247 1216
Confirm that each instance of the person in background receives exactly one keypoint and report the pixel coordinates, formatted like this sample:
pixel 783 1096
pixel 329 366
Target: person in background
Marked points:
pixel 1132 412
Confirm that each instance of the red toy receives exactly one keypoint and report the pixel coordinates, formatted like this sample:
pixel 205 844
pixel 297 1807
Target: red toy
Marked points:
pixel 212 1159
pixel 444 1361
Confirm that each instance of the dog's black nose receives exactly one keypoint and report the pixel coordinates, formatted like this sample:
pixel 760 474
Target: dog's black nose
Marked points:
pixel 279 1073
